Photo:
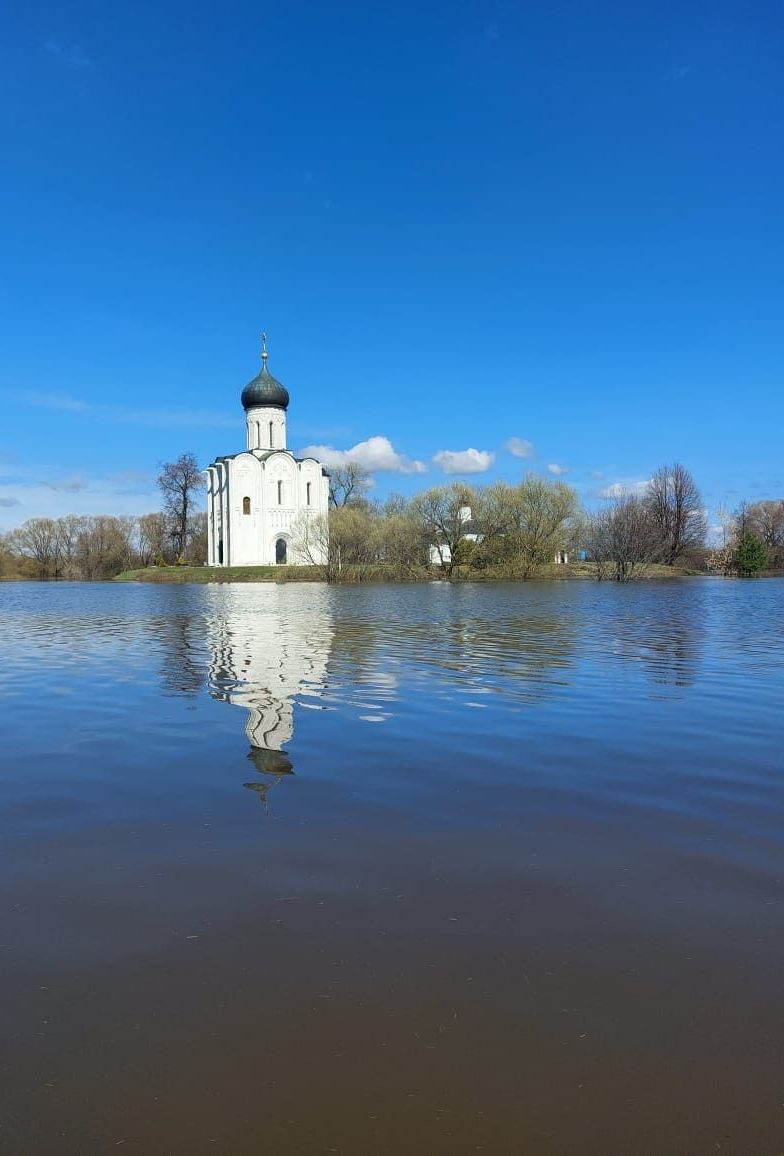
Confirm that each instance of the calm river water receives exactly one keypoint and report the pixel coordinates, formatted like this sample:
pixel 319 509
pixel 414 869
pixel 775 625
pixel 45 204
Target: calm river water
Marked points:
pixel 428 869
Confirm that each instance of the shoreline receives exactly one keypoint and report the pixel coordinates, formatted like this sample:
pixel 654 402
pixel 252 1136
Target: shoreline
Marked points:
pixel 205 575
pixel 200 575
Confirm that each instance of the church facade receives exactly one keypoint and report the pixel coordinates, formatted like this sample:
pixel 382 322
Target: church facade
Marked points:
pixel 258 500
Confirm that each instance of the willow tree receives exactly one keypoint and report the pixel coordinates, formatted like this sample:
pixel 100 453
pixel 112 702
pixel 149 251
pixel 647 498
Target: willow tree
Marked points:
pixel 344 545
pixel 524 526
pixel 442 514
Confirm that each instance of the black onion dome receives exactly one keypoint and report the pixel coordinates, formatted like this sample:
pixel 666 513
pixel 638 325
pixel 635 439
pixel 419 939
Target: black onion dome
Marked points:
pixel 265 390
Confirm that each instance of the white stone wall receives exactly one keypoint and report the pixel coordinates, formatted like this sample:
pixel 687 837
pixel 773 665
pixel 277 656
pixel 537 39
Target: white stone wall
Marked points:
pixel 253 502
pixel 265 428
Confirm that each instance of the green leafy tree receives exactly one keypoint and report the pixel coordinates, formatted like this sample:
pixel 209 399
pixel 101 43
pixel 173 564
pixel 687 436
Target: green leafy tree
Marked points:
pixel 523 526
pixel 750 555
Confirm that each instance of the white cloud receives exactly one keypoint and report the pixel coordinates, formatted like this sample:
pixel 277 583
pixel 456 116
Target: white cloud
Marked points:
pixel 623 488
pixel 468 461
pixel 377 455
pixel 519 447
pixel 7 503
pixel 557 470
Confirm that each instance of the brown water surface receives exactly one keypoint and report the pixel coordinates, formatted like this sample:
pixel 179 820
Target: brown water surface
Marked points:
pixel 431 869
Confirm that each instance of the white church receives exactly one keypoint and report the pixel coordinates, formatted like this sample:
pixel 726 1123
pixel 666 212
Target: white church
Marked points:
pixel 257 500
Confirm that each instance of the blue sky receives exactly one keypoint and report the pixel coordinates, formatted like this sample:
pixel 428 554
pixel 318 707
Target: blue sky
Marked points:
pixel 459 222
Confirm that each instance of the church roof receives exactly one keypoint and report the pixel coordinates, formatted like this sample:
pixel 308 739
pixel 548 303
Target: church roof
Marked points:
pixel 264 389
pixel 262 455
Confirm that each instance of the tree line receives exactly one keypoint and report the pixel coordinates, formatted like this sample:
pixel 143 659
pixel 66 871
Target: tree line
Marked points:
pixel 516 531
pixel 503 530
pixel 97 546
pixel 100 546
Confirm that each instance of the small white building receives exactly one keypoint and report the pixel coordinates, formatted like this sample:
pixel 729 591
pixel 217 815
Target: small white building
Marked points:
pixel 256 499
pixel 440 554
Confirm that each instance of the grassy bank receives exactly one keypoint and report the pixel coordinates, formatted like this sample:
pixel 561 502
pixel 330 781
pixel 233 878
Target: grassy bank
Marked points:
pixel 576 571
pixel 219 574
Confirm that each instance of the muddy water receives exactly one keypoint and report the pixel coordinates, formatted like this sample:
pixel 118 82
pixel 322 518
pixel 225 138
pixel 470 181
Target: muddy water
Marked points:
pixel 396 870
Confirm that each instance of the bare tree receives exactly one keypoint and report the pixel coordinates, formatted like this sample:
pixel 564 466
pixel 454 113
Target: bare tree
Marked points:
pixel 179 482
pixel 68 530
pixel 197 538
pixel 127 530
pixel 311 545
pixel 766 520
pixel 623 538
pixel 8 556
pixel 727 522
pixel 348 485
pixel 37 539
pixel 401 546
pixel 354 540
pixel 102 548
pixel 152 538
pixel 343 544
pixel 675 503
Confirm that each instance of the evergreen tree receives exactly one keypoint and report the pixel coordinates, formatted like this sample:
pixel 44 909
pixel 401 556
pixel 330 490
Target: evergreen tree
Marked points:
pixel 750 555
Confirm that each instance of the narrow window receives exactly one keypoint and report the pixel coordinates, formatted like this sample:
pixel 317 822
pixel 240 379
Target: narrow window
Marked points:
pixel 307 492
pixel 280 493
pixel 246 505
pixel 270 424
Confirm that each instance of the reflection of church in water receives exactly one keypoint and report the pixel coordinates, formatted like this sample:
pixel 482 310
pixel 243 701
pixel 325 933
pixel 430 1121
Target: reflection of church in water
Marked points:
pixel 268 651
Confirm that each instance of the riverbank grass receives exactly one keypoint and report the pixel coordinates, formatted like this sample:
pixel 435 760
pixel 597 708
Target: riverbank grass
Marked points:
pixel 572 571
pixel 220 574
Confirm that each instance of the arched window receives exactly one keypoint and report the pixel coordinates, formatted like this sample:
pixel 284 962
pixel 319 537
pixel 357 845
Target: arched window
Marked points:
pixel 280 493
pixel 280 552
pixel 271 437
pixel 307 492
pixel 246 505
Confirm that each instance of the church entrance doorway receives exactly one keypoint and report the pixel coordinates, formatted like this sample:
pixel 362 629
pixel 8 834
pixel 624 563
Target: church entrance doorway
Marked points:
pixel 280 552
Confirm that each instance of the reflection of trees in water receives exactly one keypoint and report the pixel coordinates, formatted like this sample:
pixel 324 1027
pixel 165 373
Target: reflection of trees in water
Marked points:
pixel 268 647
pixel 665 633
pixel 182 648
pixel 523 657
pixel 671 655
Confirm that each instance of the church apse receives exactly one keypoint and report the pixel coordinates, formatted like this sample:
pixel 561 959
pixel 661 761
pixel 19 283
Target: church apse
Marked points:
pixel 265 654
